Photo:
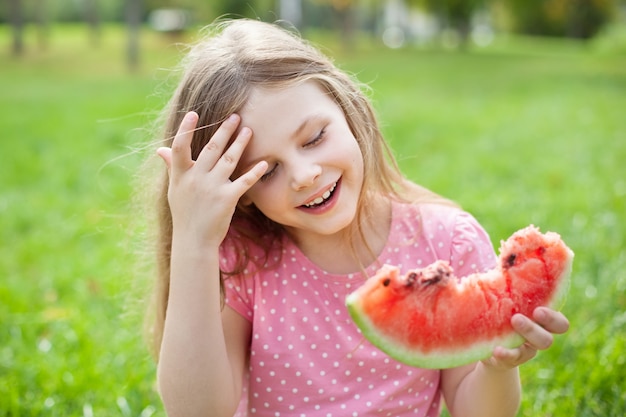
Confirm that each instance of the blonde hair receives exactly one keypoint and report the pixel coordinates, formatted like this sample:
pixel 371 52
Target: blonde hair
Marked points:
pixel 218 75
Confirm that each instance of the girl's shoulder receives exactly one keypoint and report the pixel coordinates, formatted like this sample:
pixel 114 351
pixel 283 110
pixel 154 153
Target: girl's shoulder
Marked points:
pixel 429 215
pixel 449 232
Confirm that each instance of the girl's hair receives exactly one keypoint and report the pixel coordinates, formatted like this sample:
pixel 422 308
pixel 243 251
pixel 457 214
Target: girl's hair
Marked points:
pixel 218 75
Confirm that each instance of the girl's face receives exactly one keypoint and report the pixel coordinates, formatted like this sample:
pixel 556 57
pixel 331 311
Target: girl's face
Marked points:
pixel 315 172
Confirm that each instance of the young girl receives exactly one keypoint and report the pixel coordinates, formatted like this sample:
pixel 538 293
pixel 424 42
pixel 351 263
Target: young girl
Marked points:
pixel 280 197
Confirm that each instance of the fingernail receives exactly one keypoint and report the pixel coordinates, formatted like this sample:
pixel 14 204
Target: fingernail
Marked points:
pixel 540 314
pixel 518 321
pixel 190 116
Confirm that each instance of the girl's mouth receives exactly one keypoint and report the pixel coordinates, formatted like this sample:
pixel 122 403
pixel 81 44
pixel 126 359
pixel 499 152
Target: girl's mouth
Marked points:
pixel 323 199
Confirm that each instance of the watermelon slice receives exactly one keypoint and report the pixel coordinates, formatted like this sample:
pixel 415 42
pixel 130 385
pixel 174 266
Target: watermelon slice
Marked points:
pixel 431 319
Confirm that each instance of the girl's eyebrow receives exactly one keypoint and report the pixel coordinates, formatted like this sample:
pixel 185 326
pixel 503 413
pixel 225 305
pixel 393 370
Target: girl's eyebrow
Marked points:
pixel 307 121
pixel 313 118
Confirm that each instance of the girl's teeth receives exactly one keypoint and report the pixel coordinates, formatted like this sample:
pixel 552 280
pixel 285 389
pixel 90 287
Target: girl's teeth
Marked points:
pixel 320 200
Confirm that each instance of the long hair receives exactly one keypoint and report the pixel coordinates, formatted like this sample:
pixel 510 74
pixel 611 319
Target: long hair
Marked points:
pixel 218 75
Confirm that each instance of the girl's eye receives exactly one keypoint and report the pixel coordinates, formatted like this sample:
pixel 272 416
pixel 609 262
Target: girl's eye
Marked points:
pixel 318 138
pixel 268 174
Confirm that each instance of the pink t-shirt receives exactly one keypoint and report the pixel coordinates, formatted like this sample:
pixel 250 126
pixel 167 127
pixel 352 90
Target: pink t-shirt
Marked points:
pixel 308 359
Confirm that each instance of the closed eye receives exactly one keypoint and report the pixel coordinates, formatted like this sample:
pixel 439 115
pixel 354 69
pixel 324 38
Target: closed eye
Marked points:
pixel 318 138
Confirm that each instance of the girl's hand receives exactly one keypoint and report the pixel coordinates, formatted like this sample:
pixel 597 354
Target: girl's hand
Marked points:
pixel 201 194
pixel 538 333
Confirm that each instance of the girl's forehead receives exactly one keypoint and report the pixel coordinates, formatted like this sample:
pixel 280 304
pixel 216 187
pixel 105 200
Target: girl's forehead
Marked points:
pixel 291 92
pixel 274 107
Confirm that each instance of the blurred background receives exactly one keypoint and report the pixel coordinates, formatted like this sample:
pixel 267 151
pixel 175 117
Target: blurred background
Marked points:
pixel 513 108
pixel 454 23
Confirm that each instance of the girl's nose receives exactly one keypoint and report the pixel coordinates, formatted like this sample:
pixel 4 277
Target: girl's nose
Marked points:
pixel 304 175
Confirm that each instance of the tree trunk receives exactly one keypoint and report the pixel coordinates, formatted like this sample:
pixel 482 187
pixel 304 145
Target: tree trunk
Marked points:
pixel 346 26
pixel 133 22
pixel 93 20
pixel 42 21
pixel 16 17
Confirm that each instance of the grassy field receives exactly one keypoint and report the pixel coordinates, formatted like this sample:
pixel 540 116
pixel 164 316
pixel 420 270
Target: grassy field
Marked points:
pixel 525 131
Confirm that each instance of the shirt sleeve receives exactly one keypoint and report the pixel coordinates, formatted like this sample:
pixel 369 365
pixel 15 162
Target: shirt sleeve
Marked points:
pixel 471 250
pixel 238 289
pixel 239 295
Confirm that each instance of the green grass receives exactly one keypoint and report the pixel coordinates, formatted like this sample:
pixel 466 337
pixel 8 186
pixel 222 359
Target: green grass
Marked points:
pixel 526 131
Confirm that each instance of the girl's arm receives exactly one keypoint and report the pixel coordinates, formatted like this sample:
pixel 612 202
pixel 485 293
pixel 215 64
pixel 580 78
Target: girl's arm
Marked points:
pixel 204 349
pixel 492 387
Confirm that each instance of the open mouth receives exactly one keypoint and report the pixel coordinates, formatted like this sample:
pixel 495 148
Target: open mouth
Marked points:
pixel 323 199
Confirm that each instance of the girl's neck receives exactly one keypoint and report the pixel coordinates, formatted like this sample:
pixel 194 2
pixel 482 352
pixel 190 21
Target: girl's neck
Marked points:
pixel 352 251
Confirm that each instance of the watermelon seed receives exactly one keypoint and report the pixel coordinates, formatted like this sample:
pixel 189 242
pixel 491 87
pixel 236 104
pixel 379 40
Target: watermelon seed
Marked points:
pixel 435 277
pixel 386 282
pixel 510 261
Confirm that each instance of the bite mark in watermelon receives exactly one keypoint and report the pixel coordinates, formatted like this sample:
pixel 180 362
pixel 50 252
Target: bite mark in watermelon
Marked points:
pixel 431 319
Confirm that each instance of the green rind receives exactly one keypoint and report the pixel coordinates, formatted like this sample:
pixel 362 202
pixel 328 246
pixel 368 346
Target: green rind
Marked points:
pixel 442 358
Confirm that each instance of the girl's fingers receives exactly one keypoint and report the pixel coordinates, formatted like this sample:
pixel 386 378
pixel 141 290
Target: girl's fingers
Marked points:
pixel 230 158
pixel 538 332
pixel 216 147
pixel 214 157
pixel 180 158
pixel 535 335
pixel 553 321
pixel 514 357
pixel 250 177
pixel 165 154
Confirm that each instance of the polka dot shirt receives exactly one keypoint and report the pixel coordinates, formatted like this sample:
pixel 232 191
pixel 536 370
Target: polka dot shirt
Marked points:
pixel 308 359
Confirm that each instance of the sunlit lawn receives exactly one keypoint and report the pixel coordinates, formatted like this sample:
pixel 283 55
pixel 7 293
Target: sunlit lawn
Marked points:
pixel 522 132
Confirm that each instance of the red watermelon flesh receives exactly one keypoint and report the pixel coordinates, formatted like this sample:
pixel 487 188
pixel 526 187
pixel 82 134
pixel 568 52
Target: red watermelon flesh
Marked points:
pixel 431 319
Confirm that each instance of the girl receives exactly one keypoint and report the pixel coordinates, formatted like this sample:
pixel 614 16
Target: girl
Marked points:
pixel 280 197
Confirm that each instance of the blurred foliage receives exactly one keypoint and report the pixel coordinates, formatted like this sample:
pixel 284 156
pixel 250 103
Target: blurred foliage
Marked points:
pixel 563 18
pixel 453 13
pixel 569 18
pixel 207 11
